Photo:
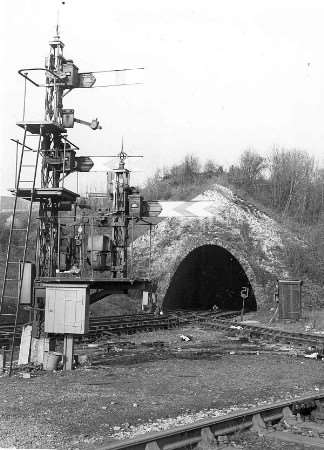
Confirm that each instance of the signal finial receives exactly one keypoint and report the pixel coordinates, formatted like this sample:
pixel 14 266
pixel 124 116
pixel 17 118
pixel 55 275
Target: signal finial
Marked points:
pixel 58 20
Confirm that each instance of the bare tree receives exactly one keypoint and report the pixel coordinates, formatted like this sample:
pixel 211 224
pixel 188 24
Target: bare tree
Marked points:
pixel 292 177
pixel 249 171
pixel 211 168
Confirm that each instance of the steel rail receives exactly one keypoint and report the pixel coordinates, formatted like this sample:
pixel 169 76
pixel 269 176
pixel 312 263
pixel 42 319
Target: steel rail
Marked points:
pixel 192 434
pixel 123 327
pixel 120 318
pixel 99 326
pixel 134 322
pixel 264 331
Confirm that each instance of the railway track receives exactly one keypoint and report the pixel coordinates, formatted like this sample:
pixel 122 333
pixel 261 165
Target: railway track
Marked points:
pixel 201 314
pixel 264 332
pixel 130 324
pixel 127 324
pixel 106 325
pixel 281 421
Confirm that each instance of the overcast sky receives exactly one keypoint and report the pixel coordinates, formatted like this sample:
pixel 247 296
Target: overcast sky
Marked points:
pixel 220 76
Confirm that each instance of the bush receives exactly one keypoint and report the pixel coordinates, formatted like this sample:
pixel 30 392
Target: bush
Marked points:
pixel 305 262
pixel 182 181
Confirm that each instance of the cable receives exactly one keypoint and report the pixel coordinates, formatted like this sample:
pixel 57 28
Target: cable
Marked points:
pixel 114 85
pixel 116 70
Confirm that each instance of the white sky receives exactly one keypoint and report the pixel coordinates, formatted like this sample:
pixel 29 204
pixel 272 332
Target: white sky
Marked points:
pixel 220 76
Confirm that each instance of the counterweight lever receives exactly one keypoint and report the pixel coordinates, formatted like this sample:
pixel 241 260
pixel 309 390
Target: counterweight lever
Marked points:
pixel 94 124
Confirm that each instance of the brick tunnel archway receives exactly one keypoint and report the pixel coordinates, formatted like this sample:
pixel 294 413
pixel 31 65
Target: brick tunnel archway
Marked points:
pixel 207 275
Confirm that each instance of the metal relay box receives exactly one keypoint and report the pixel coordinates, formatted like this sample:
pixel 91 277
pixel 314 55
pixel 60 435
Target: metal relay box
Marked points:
pixel 290 301
pixel 67 309
pixel 135 205
pixel 99 243
pixel 72 74
pixel 68 118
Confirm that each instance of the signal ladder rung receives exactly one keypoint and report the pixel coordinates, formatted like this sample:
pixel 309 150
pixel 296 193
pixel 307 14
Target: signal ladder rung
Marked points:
pixel 23 186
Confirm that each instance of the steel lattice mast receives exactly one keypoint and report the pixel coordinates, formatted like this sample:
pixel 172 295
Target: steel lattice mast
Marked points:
pixel 53 148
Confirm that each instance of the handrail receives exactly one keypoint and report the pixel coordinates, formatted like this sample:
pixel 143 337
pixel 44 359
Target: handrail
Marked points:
pixel 24 75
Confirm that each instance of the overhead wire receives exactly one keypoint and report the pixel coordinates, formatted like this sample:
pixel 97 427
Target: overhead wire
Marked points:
pixel 115 85
pixel 116 70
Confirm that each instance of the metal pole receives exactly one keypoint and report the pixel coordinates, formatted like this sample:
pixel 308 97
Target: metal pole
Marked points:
pixel 2 359
pixel 81 258
pixel 68 352
pixel 63 164
pixel 150 256
pixel 91 231
pixel 242 311
pixel 16 171
pixel 59 245
pixel 25 90
pixel 132 248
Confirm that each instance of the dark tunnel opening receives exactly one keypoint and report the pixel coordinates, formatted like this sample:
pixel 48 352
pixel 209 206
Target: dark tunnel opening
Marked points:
pixel 209 275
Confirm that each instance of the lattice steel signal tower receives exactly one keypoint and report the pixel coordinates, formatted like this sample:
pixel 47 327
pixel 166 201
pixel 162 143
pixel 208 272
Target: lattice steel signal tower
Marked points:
pixel 55 156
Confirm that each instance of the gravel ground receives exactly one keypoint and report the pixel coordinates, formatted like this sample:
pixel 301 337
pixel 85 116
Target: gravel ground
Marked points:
pixel 251 441
pixel 90 406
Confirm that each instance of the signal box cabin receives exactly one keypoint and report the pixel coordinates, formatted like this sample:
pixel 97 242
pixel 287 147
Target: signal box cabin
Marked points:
pixel 290 306
pixel 67 309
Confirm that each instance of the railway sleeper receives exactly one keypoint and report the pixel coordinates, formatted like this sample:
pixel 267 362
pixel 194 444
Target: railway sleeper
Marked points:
pixel 289 422
pixel 258 332
pixel 295 430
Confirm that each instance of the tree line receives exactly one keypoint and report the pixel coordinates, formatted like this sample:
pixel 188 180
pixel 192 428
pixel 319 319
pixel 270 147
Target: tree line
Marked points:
pixel 287 181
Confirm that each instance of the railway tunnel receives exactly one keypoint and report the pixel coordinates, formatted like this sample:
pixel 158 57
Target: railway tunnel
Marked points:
pixel 209 275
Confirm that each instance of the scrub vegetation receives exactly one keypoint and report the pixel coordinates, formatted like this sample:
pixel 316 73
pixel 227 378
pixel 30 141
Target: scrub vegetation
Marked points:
pixel 286 184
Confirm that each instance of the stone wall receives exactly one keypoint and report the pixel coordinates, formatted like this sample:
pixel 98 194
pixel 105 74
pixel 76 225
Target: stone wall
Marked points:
pixel 252 237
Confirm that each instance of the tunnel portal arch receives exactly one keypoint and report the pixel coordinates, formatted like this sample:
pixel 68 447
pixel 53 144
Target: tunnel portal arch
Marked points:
pixel 210 274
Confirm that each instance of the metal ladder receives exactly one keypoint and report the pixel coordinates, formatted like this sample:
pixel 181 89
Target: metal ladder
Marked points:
pixel 16 254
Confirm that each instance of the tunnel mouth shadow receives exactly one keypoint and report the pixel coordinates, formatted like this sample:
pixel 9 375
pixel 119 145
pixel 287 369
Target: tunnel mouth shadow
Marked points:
pixel 209 275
